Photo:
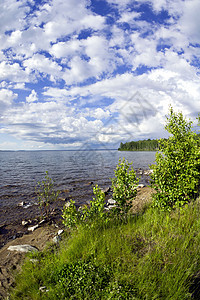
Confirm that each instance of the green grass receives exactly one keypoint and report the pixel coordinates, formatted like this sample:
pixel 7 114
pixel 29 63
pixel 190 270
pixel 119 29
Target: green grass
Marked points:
pixel 155 255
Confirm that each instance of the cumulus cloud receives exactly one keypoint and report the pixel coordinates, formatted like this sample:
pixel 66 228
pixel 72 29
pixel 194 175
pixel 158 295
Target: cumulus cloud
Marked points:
pixel 32 97
pixel 72 72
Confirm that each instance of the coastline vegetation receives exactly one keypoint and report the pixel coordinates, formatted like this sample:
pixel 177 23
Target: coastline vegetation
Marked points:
pixel 152 254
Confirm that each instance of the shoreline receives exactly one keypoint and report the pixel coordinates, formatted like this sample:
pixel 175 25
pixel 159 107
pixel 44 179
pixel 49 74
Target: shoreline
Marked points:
pixel 10 262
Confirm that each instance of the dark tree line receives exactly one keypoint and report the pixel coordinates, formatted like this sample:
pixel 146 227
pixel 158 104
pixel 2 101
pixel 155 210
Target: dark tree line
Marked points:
pixel 143 145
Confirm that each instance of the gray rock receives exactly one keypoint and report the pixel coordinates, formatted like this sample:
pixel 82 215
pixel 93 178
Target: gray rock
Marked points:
pixel 32 228
pixel 56 239
pixel 22 248
pixel 106 190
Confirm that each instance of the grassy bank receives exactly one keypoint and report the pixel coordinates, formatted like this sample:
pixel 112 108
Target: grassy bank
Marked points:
pixel 155 255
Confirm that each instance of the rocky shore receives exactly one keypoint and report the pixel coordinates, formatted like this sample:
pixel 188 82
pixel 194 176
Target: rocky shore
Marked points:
pixel 23 225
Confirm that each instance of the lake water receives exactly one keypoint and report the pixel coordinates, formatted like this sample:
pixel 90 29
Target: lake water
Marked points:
pixel 72 172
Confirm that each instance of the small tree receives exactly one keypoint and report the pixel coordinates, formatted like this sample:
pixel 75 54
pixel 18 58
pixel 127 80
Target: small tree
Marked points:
pixel 124 186
pixel 46 194
pixel 87 214
pixel 176 175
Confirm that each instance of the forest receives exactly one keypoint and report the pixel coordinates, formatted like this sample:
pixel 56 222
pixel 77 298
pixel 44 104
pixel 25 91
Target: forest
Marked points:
pixel 144 145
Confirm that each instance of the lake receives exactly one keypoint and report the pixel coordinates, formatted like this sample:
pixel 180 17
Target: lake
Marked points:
pixel 72 172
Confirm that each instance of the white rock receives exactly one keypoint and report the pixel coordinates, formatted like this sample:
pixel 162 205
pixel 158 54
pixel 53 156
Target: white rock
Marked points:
pixel 60 232
pixel 21 203
pixel 32 228
pixel 22 248
pixel 43 288
pixel 140 186
pixel 111 201
pixel 111 206
pixel 24 223
pixel 56 239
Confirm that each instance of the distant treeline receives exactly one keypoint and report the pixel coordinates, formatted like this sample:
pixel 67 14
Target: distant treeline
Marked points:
pixel 142 145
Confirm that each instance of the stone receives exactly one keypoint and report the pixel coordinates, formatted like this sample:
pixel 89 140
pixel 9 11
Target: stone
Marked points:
pixel 140 186
pixel 148 172
pixel 42 289
pixel 56 239
pixel 106 190
pixel 111 206
pixel 32 228
pixel 60 232
pixel 23 248
pixel 24 223
pixel 111 201
pixel 21 204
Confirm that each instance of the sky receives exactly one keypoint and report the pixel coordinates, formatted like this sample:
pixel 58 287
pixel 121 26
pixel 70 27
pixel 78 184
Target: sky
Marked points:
pixel 89 74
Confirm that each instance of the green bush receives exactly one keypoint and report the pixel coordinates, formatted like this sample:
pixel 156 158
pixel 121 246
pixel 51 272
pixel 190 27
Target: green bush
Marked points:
pixel 124 186
pixel 176 174
pixel 81 280
pixel 46 194
pixel 86 214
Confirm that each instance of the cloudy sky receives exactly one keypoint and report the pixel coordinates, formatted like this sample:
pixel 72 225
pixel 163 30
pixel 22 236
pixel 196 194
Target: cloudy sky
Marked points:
pixel 93 73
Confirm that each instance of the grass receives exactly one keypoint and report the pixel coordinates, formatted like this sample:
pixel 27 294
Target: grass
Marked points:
pixel 155 255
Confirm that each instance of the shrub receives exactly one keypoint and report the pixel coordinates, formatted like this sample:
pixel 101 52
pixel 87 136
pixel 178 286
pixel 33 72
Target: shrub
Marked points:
pixel 82 280
pixel 124 186
pixel 176 175
pixel 87 214
pixel 124 191
pixel 46 194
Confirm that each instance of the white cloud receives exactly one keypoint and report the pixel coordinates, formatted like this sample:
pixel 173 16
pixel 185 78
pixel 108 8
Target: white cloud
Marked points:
pixel 40 63
pixel 13 72
pixel 190 21
pixel 6 100
pixel 33 97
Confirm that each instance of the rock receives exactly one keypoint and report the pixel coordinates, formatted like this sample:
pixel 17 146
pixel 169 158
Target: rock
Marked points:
pixel 148 172
pixel 106 190
pixel 111 201
pixel 111 207
pixel 32 228
pixel 56 239
pixel 90 183
pixel 21 204
pixel 24 223
pixel 140 186
pixel 60 232
pixel 22 248
pixel 42 221
pixel 33 260
pixel 43 289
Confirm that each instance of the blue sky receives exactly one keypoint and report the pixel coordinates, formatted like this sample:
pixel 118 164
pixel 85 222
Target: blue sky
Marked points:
pixel 80 74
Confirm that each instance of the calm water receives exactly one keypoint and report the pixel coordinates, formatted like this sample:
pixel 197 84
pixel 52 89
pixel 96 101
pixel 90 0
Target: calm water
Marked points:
pixel 72 171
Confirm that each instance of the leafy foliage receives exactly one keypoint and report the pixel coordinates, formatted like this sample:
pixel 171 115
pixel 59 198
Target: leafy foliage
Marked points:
pixel 70 215
pixel 46 194
pixel 176 174
pixel 124 191
pixel 124 186
pixel 87 214
pixel 82 279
